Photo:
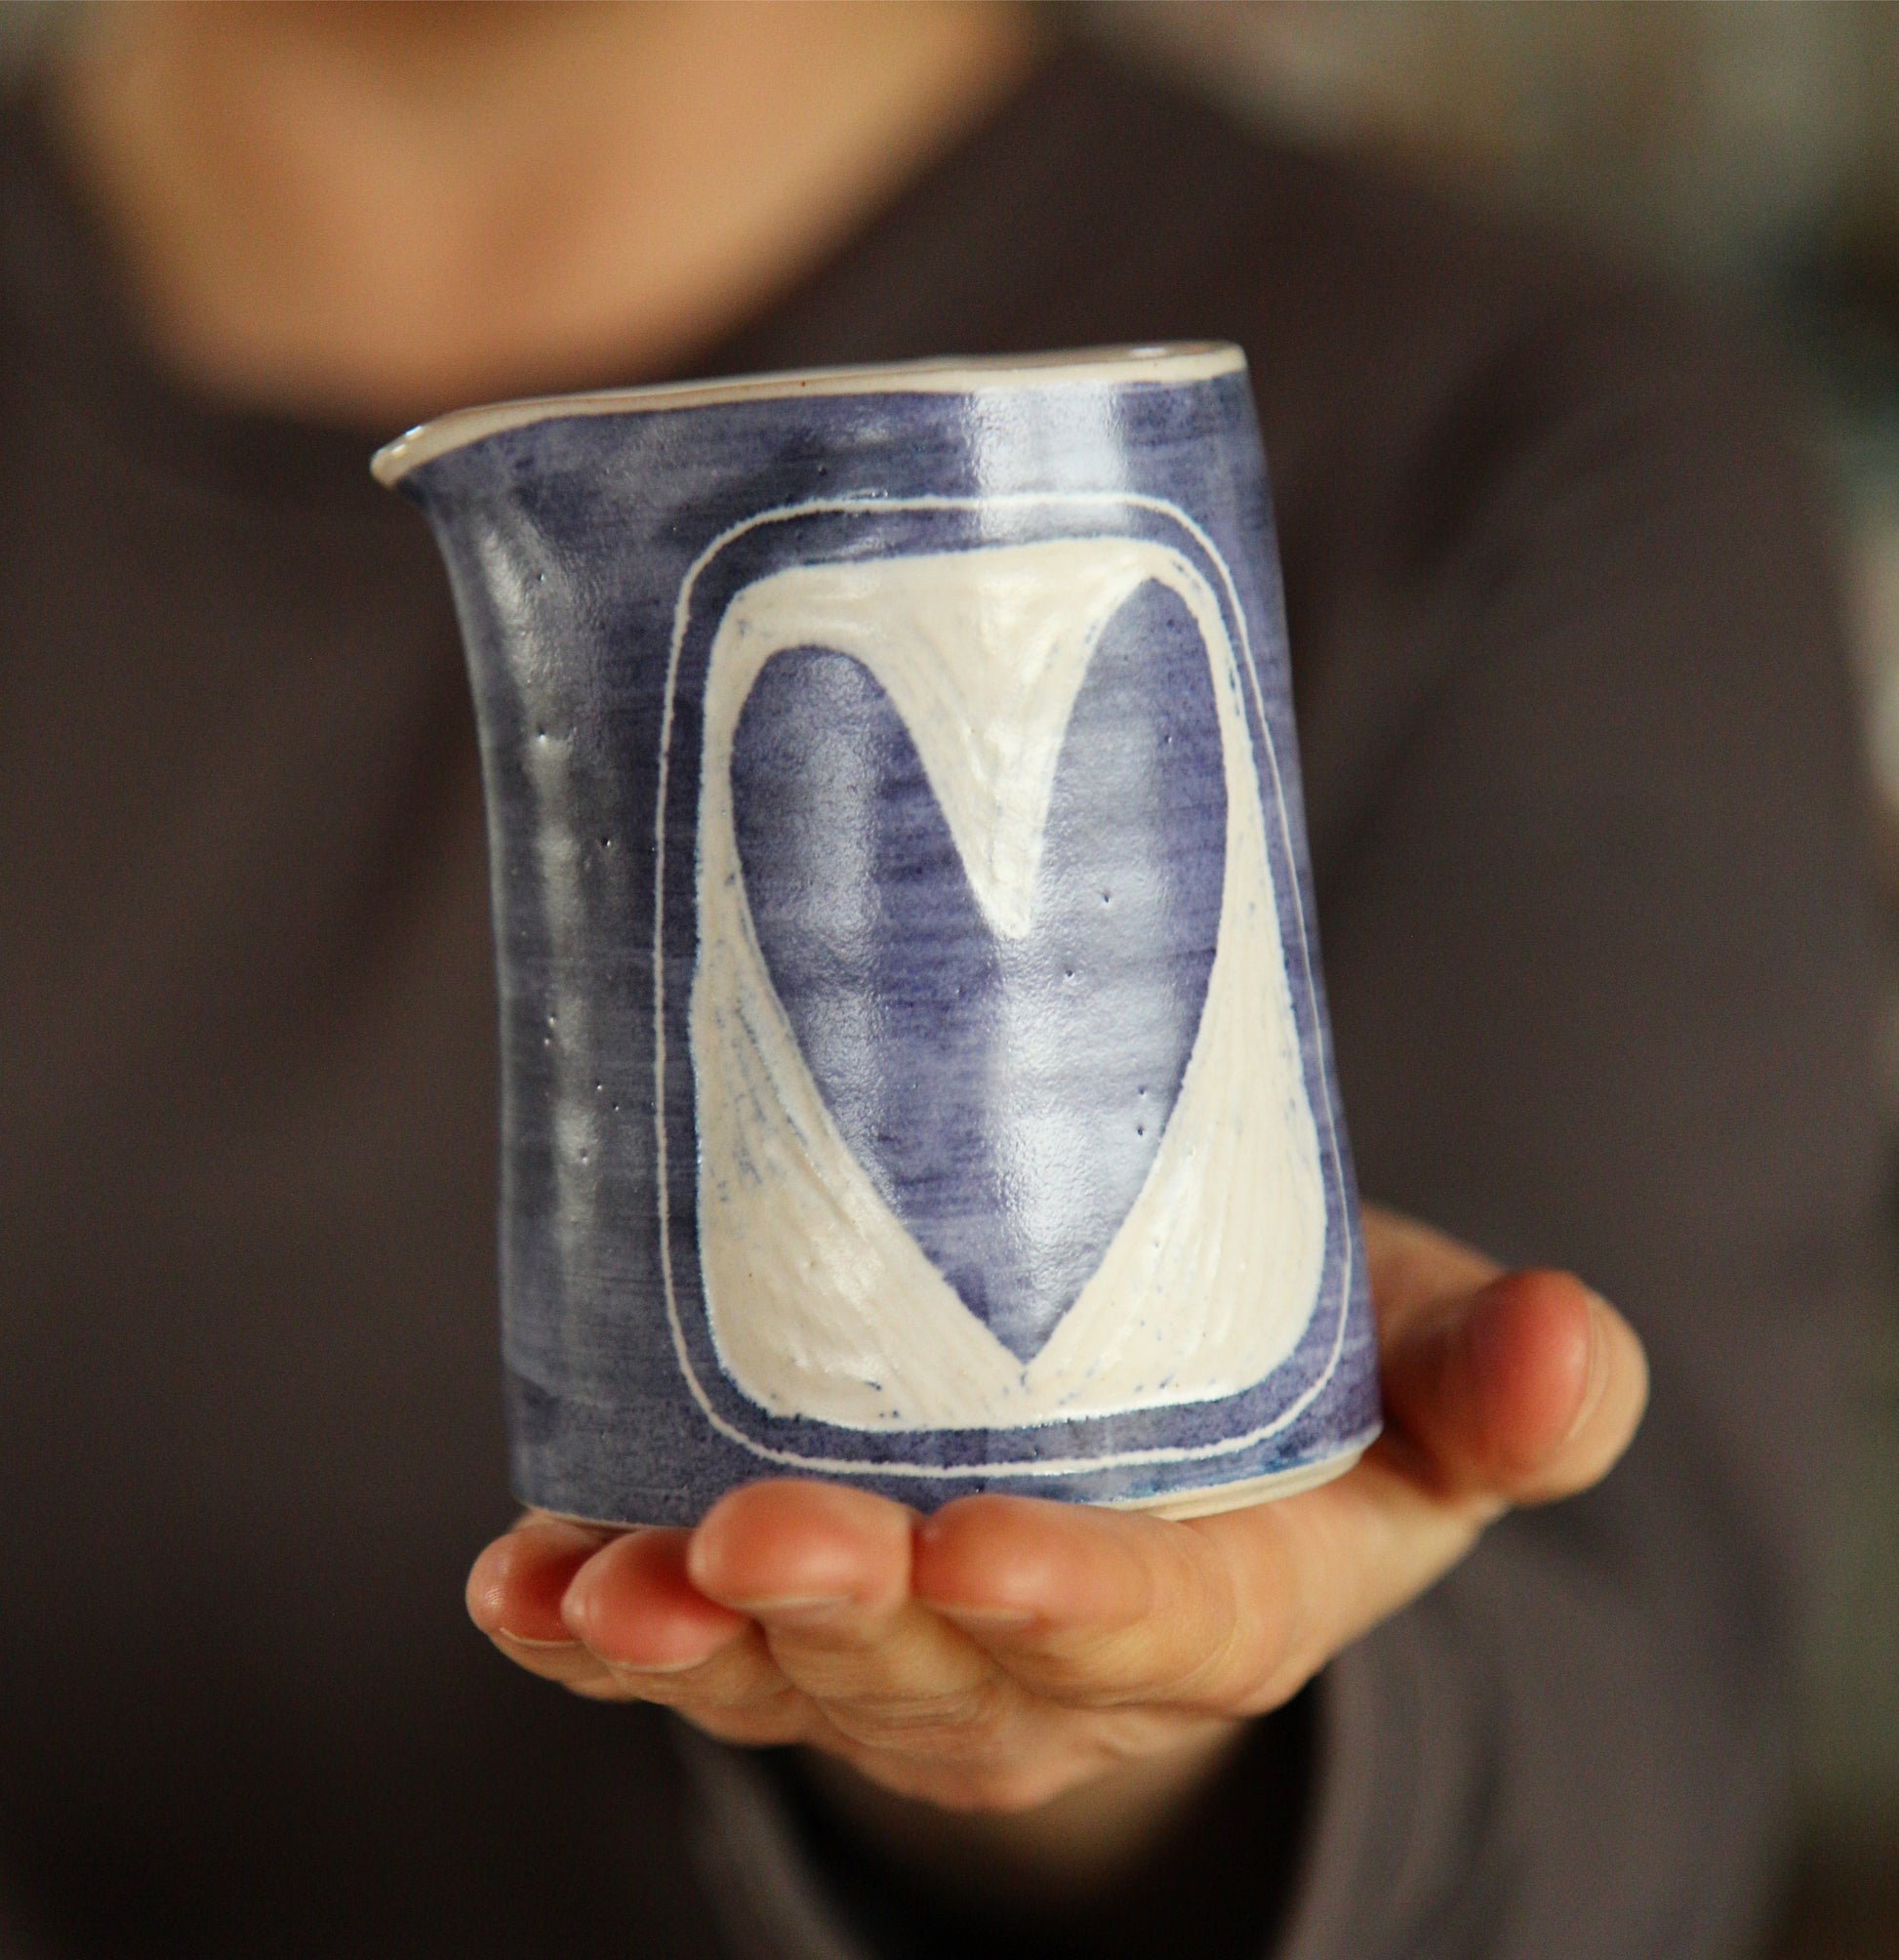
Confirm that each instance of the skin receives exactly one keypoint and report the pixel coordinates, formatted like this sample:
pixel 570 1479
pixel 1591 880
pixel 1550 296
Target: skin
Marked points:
pixel 368 213
pixel 373 213
pixel 1061 1679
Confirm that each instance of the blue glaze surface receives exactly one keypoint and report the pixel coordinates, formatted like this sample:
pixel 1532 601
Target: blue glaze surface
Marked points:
pixel 594 558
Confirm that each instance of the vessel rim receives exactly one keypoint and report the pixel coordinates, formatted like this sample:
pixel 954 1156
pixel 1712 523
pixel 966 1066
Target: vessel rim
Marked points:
pixel 1170 364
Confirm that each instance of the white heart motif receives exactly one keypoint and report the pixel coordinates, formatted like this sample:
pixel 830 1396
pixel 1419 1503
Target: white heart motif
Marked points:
pixel 819 1301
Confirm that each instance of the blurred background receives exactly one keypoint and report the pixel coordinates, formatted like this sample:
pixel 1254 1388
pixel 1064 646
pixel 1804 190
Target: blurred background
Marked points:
pixel 1751 150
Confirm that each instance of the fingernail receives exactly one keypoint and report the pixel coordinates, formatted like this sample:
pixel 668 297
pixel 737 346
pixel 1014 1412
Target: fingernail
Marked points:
pixel 633 1671
pixel 539 1646
pixel 1598 1380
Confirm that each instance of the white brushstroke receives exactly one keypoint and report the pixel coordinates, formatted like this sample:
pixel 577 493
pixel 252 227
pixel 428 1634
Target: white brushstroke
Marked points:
pixel 820 1302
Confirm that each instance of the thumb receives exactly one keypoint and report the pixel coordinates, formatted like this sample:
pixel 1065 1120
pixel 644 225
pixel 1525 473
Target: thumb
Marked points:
pixel 1524 1390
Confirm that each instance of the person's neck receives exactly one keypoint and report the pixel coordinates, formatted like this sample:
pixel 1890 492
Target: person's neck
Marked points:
pixel 373 213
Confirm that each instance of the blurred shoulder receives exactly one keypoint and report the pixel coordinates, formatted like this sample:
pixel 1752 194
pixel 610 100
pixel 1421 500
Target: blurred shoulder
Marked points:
pixel 1500 459
pixel 1401 334
pixel 1410 353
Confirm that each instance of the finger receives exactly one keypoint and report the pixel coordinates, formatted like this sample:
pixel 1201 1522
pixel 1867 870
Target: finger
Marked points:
pixel 513 1596
pixel 1100 1608
pixel 632 1604
pixel 1413 1267
pixel 1354 1551
pixel 1344 1557
pixel 1524 1388
pixel 1528 1389
pixel 1541 1388
pixel 1234 1612
pixel 656 1639
pixel 824 1571
pixel 566 1662
pixel 1525 1385
pixel 790 1549
pixel 1220 1615
pixel 515 1585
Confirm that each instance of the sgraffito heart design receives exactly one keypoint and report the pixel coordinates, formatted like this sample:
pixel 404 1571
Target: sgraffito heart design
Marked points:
pixel 1005 1090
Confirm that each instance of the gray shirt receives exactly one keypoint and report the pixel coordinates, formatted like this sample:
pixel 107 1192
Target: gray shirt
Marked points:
pixel 1587 840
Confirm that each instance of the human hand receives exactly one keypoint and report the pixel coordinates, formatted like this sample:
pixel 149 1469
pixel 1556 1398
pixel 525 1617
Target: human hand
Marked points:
pixel 1008 1650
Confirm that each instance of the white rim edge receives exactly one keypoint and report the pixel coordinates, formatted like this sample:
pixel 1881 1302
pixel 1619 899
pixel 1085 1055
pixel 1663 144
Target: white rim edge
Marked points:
pixel 1176 362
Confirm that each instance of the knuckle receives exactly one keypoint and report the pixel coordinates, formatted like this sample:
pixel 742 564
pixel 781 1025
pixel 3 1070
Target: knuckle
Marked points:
pixel 1076 1668
pixel 1246 1644
pixel 953 1724
pixel 712 1688
pixel 1240 1658
pixel 663 1691
pixel 843 1641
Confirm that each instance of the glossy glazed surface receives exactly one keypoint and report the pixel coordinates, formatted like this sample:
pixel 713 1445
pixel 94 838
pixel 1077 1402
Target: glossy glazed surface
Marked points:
pixel 914 1064
pixel 998 981
pixel 1003 1071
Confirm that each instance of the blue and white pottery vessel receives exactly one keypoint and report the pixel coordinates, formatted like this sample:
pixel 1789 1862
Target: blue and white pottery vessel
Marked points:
pixel 916 1067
